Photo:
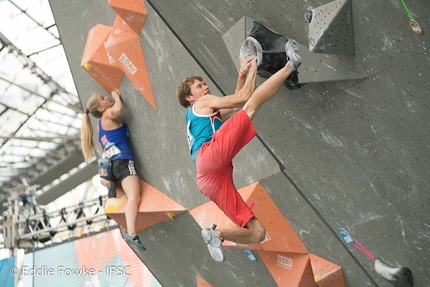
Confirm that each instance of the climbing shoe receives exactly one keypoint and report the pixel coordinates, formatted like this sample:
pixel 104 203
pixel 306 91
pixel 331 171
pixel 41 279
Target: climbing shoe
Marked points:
pixel 214 243
pixel 134 241
pixel 291 49
pixel 251 47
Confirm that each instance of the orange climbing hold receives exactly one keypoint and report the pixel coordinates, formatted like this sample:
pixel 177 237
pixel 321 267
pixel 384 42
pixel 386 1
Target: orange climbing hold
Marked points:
pixel 154 207
pixel 201 282
pixel 327 274
pixel 123 45
pixel 96 61
pixel 283 253
pixel 132 12
pixel 280 236
pixel 289 269
pixel 111 52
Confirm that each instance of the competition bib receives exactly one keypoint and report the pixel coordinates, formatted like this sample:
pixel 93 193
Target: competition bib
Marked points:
pixel 112 151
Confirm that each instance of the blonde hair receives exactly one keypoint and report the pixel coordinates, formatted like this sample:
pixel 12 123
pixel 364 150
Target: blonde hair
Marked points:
pixel 184 90
pixel 87 130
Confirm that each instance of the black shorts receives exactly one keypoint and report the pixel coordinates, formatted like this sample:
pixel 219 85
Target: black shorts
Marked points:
pixel 122 168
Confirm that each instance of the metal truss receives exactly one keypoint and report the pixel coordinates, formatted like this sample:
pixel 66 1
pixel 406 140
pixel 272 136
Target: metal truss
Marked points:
pixel 28 225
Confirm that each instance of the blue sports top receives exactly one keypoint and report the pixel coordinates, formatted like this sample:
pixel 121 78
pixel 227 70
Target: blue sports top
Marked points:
pixel 200 128
pixel 119 137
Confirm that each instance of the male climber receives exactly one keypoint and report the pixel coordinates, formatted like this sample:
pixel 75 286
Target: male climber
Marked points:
pixel 217 129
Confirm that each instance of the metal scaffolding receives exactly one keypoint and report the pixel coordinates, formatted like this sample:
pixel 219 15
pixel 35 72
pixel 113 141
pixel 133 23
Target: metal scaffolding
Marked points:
pixel 29 225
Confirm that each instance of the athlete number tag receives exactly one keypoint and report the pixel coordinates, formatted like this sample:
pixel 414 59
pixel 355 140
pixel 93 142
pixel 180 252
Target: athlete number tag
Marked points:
pixel 112 151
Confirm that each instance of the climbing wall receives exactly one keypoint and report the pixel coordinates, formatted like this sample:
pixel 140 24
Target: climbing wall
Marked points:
pixel 111 52
pixel 282 251
pixel 346 150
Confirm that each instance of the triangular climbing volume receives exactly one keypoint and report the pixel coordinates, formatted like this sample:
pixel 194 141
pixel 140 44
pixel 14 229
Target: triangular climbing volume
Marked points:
pixel 96 61
pixel 154 207
pixel 289 269
pixel 124 46
pixel 279 234
pixel 283 253
pixel 132 12
pixel 120 50
pixel 326 274
pixel 315 67
pixel 201 282
pixel 331 30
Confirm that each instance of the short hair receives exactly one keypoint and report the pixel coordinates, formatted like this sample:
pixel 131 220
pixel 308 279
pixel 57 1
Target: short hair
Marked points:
pixel 184 90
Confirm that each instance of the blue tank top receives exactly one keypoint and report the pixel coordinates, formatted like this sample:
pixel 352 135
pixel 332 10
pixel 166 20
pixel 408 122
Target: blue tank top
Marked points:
pixel 119 137
pixel 200 129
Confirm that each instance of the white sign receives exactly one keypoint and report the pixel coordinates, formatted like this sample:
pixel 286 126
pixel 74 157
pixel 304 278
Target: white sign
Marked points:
pixel 285 262
pixel 127 64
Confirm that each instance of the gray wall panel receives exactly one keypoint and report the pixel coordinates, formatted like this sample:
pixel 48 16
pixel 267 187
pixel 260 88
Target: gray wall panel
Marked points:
pixel 313 230
pixel 176 254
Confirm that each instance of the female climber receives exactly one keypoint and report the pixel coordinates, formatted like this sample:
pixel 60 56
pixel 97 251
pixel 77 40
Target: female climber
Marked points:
pixel 113 136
